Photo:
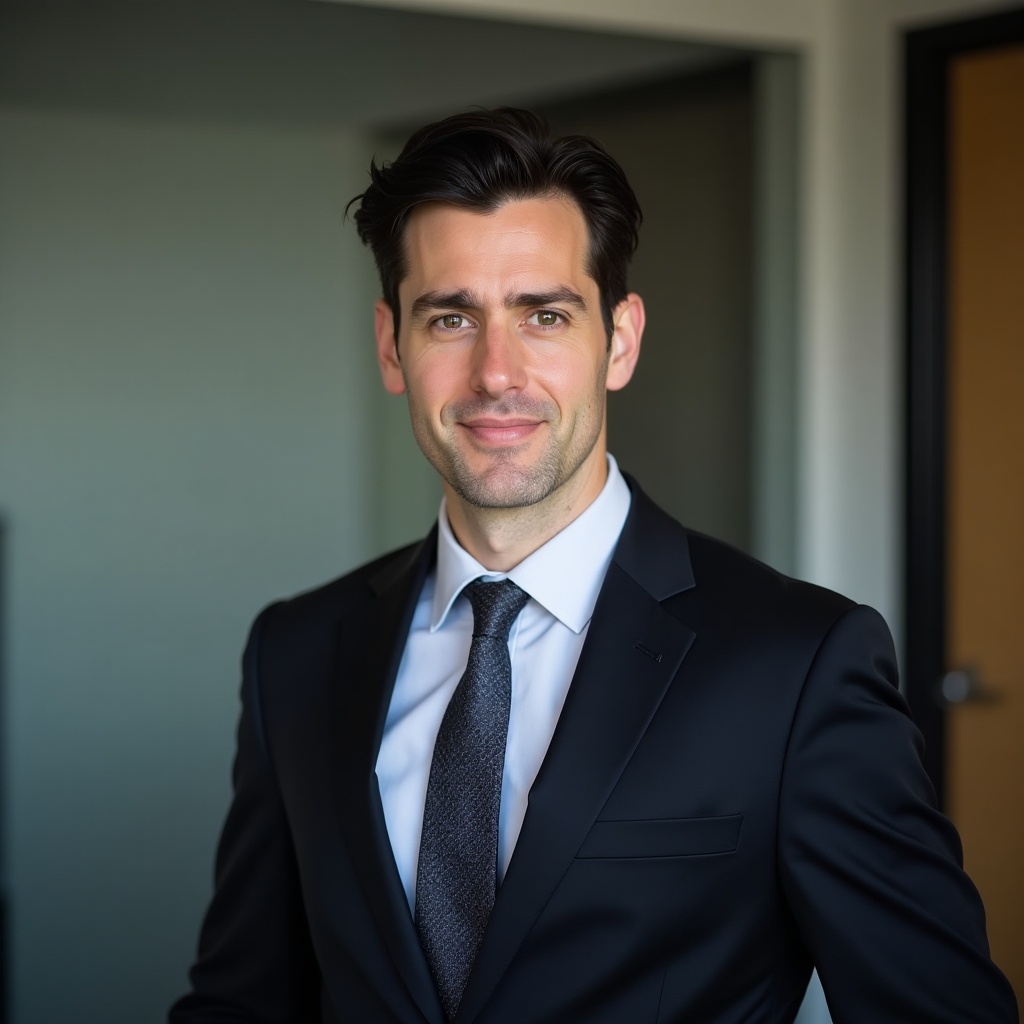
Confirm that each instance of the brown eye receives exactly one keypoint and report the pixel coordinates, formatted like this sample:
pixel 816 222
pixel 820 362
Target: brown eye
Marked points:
pixel 452 321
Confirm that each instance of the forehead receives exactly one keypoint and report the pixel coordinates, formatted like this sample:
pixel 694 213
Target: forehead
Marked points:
pixel 453 246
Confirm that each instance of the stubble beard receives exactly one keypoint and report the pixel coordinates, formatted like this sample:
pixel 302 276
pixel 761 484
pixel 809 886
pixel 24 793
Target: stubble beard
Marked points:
pixel 507 483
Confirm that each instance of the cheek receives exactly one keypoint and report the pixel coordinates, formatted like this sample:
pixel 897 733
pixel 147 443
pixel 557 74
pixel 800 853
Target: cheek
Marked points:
pixel 573 380
pixel 430 386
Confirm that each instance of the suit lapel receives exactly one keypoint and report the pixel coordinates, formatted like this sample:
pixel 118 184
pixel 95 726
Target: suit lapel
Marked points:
pixel 371 642
pixel 634 648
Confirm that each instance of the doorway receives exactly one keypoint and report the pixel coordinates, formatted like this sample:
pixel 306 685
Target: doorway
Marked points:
pixel 965 589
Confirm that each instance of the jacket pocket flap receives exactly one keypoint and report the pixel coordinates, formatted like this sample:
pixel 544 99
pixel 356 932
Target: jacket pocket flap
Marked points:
pixel 662 837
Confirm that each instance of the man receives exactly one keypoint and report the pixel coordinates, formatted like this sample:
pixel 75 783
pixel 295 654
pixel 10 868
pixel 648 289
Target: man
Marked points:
pixel 647 780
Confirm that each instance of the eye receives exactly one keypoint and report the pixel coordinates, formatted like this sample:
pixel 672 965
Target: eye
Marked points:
pixel 452 321
pixel 546 318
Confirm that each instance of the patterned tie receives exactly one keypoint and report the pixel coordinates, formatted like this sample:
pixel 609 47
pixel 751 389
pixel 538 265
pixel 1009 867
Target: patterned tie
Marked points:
pixel 457 876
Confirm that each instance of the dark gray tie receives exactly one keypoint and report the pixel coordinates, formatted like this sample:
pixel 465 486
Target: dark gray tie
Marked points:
pixel 457 876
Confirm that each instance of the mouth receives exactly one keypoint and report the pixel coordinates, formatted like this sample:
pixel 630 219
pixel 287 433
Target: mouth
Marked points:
pixel 500 432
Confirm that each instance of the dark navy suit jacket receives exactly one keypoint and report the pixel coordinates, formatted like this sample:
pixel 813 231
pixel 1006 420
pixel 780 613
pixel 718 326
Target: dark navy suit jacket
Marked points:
pixel 733 794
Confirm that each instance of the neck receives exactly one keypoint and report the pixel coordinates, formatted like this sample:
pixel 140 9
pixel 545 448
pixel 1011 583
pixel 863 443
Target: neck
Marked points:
pixel 500 538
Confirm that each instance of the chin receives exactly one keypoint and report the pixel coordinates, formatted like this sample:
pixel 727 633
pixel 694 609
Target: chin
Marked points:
pixel 504 487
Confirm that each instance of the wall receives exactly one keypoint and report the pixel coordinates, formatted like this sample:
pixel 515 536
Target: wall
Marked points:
pixel 183 414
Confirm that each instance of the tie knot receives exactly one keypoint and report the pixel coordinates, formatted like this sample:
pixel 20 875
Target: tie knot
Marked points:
pixel 495 606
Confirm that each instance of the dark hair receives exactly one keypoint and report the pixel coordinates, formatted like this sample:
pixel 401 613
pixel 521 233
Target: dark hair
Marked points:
pixel 486 158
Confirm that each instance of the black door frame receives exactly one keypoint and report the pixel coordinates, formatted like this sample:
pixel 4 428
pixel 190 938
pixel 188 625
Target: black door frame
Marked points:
pixel 928 55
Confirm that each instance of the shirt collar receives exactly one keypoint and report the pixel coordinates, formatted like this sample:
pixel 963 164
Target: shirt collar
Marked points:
pixel 564 575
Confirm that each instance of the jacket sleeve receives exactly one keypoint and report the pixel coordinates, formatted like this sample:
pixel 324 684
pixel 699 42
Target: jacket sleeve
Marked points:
pixel 255 961
pixel 872 870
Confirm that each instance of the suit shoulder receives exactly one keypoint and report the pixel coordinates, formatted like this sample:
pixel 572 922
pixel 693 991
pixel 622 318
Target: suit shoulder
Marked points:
pixel 326 603
pixel 292 646
pixel 710 582
pixel 741 587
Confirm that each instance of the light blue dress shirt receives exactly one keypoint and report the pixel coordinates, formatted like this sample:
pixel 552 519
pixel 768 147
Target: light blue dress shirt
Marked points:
pixel 563 579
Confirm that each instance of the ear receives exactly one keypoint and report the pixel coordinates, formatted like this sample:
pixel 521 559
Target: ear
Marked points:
pixel 628 319
pixel 387 348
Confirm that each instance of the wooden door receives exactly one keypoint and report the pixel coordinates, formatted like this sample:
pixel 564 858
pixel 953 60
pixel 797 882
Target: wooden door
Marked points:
pixel 985 480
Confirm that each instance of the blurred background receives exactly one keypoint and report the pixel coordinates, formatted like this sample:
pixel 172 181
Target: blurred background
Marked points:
pixel 190 417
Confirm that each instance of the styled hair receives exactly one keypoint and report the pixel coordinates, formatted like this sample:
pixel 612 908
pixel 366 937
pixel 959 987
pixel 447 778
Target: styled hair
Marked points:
pixel 485 158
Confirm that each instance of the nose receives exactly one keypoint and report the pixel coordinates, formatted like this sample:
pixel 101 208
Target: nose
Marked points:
pixel 498 360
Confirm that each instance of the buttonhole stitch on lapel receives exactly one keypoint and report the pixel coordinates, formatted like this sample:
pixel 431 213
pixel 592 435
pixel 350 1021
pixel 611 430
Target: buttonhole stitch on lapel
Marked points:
pixel 653 655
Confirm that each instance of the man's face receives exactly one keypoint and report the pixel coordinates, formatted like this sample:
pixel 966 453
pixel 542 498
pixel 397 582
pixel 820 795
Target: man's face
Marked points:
pixel 503 352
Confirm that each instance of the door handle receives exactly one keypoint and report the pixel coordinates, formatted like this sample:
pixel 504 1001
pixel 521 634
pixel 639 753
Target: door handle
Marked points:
pixel 963 686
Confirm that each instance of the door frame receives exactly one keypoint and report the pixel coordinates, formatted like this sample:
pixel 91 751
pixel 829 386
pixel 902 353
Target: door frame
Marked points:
pixel 928 54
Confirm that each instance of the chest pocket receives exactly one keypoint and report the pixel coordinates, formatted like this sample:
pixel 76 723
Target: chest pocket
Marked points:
pixel 662 837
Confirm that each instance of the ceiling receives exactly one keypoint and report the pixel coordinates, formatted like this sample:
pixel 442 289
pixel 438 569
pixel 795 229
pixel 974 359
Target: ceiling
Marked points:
pixel 299 61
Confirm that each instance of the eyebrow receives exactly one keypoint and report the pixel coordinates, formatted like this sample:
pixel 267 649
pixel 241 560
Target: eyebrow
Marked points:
pixel 443 300
pixel 464 299
pixel 565 296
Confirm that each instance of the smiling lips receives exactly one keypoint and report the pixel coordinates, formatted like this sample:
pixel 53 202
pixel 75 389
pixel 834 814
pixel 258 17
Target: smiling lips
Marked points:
pixel 498 432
